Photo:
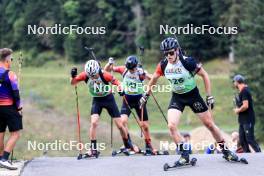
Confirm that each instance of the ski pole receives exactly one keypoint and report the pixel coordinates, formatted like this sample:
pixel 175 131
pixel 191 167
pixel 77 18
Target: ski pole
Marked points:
pixel 91 50
pixel 159 107
pixel 111 132
pixel 78 124
pixel 111 124
pixel 142 50
pixel 133 114
pixel 142 114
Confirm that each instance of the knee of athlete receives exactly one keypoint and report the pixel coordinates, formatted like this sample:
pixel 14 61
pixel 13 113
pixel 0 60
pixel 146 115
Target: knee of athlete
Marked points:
pixel 94 125
pixel 145 126
pixel 124 122
pixel 119 123
pixel 16 135
pixel 172 127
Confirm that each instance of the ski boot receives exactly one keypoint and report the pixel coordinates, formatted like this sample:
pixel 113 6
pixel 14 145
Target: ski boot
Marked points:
pixel 229 155
pixel 149 150
pixel 183 160
pixel 127 151
pixel 91 154
pixel 232 157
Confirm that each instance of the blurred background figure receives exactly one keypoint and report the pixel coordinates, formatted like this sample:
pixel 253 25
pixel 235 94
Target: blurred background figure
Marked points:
pixel 187 142
pixel 213 149
pixel 236 146
pixel 246 115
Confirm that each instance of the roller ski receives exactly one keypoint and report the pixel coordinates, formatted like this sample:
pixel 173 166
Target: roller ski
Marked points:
pixel 126 151
pixel 183 161
pixel 232 157
pixel 149 151
pixel 180 163
pixel 89 154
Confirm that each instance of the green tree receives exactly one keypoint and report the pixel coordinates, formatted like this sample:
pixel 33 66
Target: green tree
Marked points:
pixel 197 13
pixel 250 53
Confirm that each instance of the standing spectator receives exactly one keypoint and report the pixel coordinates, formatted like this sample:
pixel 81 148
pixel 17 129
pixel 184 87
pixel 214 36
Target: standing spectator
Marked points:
pixel 10 108
pixel 246 116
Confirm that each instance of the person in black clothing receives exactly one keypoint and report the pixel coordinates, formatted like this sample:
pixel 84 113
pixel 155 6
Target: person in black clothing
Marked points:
pixel 246 116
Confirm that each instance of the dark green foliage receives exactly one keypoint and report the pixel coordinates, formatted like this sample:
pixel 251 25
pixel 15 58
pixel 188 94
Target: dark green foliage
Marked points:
pixel 128 24
pixel 249 47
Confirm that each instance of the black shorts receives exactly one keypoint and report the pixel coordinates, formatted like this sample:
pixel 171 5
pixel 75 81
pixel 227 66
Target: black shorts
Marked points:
pixel 192 99
pixel 133 101
pixel 107 102
pixel 9 117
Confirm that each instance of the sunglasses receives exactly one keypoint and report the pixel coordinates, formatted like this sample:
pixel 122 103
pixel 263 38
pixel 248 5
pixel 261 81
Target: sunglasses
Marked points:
pixel 171 53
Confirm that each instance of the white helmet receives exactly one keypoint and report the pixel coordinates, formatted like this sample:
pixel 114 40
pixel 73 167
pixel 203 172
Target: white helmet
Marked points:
pixel 92 67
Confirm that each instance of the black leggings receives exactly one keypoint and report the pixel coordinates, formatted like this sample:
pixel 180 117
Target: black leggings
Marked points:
pixel 247 137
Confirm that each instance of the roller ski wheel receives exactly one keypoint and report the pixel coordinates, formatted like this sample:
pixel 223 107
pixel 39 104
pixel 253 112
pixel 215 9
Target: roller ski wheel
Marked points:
pixel 193 161
pixel 166 167
pixel 243 160
pixel 178 164
pixel 114 153
pixel 80 156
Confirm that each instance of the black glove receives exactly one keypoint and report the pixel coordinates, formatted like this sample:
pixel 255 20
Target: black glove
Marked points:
pixel 210 101
pixel 143 100
pixel 74 72
pixel 121 93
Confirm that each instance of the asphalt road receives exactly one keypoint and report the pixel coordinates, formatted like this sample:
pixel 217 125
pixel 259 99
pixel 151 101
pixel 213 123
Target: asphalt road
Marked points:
pixel 207 165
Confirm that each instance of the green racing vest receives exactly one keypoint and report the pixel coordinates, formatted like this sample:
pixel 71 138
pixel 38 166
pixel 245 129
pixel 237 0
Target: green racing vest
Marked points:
pixel 180 75
pixel 98 87
pixel 132 83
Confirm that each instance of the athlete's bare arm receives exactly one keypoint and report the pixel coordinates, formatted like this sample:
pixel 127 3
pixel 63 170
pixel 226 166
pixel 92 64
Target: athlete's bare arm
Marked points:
pixel 206 80
pixel 148 76
pixel 152 82
pixel 108 67
pixel 81 77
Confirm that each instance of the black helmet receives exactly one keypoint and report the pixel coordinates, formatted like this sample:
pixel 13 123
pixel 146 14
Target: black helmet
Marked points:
pixel 131 62
pixel 168 44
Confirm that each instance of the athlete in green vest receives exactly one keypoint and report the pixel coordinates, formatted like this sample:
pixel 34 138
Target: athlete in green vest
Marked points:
pixel 180 72
pixel 133 82
pixel 99 86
